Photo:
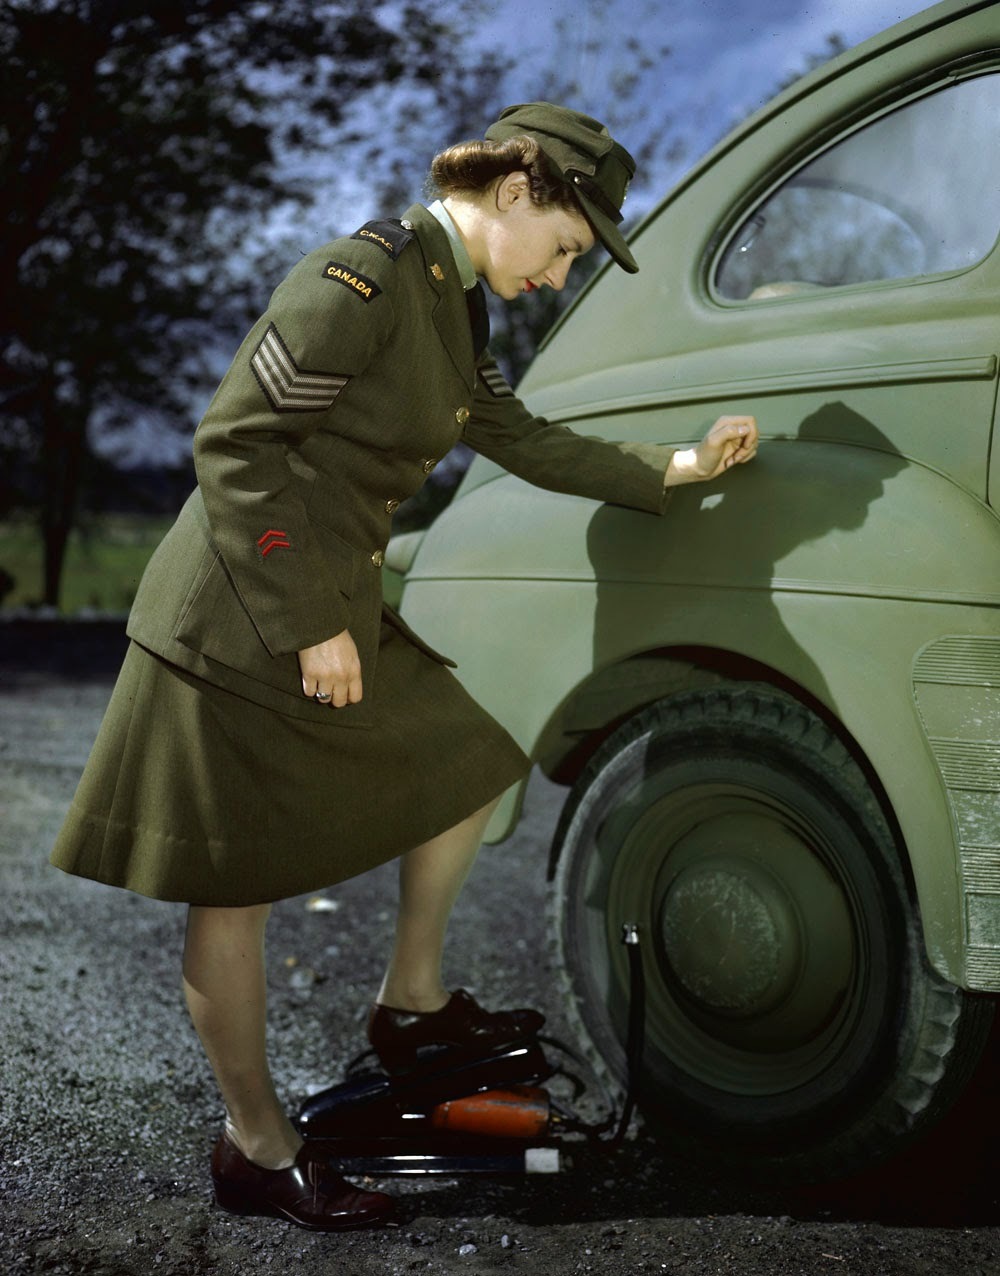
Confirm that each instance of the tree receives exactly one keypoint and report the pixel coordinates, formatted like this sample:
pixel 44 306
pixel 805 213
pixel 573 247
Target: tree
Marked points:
pixel 142 143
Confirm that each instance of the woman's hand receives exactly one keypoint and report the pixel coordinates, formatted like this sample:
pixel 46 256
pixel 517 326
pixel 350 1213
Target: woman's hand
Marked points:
pixel 331 671
pixel 732 440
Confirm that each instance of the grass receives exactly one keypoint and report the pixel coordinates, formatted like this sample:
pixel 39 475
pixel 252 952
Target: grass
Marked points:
pixel 104 563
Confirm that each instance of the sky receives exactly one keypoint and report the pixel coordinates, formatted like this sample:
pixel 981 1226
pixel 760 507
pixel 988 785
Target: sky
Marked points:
pixel 727 57
pixel 723 59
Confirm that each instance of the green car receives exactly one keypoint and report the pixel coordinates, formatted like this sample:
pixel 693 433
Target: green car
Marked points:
pixel 778 706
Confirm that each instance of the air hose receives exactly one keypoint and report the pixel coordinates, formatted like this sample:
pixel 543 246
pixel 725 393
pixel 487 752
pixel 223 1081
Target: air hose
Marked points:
pixel 634 1043
pixel 636 1029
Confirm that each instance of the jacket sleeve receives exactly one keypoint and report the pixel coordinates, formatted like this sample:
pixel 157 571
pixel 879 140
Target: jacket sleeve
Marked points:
pixel 324 325
pixel 501 428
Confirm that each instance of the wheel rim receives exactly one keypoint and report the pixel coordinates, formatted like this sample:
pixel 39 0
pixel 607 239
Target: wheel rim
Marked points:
pixel 755 947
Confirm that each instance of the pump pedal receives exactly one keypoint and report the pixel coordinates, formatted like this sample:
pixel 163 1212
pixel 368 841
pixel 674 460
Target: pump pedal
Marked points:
pixel 376 1104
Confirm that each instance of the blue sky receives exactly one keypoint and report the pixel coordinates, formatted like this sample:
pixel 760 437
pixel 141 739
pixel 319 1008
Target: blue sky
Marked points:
pixel 727 57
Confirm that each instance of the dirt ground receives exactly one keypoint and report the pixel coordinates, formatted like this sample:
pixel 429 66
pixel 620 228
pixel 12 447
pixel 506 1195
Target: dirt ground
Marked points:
pixel 107 1109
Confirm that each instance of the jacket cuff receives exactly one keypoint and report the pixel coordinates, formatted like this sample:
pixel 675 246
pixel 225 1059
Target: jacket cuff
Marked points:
pixel 311 620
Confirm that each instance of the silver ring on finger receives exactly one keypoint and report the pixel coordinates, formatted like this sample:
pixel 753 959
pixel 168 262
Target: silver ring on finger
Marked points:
pixel 323 696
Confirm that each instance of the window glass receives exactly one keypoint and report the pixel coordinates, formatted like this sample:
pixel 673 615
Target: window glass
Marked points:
pixel 915 192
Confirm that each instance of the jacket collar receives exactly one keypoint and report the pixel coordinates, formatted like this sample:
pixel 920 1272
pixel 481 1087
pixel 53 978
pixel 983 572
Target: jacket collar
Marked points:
pixel 466 270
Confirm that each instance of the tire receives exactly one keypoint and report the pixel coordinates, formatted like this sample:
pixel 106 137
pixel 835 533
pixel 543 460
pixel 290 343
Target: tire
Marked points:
pixel 793 1024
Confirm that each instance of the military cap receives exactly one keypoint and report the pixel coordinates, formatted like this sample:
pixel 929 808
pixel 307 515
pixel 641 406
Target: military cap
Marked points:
pixel 586 156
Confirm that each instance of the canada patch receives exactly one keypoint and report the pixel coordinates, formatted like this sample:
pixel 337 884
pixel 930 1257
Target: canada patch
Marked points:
pixel 363 287
pixel 493 379
pixel 391 236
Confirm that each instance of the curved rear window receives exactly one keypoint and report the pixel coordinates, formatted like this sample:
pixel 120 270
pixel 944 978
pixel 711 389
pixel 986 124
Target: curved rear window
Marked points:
pixel 913 193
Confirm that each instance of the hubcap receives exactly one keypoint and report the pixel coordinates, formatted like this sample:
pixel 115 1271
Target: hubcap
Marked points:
pixel 751 952
pixel 730 937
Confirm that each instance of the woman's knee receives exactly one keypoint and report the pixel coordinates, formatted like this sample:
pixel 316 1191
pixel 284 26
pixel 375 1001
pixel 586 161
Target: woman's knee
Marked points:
pixel 222 924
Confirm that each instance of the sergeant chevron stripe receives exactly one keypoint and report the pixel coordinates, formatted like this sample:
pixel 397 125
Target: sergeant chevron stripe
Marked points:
pixel 288 387
pixel 493 379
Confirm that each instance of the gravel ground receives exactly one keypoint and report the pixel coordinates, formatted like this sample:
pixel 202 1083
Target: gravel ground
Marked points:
pixel 108 1111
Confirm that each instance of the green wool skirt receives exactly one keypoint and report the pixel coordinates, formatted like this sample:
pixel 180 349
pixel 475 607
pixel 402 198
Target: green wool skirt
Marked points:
pixel 193 793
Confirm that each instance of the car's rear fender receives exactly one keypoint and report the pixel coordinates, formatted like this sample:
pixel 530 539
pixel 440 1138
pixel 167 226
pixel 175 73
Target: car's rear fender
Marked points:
pixel 824 566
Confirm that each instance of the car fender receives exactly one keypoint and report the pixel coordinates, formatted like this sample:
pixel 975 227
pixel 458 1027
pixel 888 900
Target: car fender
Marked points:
pixel 820 563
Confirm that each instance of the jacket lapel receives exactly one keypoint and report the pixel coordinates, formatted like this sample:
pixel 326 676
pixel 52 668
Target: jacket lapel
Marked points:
pixel 450 313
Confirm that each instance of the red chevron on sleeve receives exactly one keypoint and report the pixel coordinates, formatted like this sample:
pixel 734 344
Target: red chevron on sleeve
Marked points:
pixel 273 539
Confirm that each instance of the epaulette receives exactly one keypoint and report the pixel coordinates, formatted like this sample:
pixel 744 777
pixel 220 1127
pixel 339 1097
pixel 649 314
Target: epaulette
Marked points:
pixel 390 235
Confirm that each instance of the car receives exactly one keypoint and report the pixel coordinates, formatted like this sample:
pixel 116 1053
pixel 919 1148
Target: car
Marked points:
pixel 778 705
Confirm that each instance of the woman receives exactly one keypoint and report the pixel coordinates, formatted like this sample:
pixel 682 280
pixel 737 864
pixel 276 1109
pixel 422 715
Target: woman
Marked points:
pixel 275 728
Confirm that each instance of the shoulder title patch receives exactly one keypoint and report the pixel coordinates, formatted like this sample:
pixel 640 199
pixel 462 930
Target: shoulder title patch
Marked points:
pixel 493 379
pixel 367 289
pixel 389 235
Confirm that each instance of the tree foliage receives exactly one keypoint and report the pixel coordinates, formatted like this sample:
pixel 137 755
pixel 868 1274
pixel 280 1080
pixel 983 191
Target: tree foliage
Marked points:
pixel 154 156
pixel 144 144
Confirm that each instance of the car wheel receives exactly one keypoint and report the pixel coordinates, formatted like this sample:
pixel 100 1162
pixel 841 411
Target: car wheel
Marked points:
pixel 793 1023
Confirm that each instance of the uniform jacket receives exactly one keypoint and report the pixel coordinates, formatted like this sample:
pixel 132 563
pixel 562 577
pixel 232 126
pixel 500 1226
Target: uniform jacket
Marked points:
pixel 357 379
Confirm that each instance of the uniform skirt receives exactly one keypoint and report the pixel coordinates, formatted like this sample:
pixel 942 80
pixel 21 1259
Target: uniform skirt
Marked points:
pixel 196 794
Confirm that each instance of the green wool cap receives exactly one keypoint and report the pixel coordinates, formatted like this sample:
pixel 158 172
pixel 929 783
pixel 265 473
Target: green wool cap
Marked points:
pixel 586 156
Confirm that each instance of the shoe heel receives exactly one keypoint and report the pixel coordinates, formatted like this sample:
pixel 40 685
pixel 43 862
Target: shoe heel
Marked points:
pixel 231 1199
pixel 397 1061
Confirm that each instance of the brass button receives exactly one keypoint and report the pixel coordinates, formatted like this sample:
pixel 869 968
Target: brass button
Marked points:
pixel 391 506
pixel 462 415
pixel 378 558
pixel 429 465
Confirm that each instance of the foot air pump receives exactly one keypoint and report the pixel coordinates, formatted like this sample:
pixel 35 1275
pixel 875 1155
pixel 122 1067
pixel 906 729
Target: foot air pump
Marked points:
pixel 486 1114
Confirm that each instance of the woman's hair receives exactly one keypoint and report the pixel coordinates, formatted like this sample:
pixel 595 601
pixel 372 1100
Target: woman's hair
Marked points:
pixel 469 168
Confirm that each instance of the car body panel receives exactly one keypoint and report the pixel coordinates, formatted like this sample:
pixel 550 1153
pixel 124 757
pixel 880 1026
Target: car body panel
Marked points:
pixel 856 560
pixel 623 584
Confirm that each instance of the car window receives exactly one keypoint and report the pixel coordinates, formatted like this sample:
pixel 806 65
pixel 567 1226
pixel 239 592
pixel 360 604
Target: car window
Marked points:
pixel 915 192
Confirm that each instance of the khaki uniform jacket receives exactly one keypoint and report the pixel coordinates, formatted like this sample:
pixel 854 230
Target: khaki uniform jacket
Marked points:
pixel 357 379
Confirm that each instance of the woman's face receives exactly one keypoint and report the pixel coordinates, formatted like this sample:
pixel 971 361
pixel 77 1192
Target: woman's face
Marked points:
pixel 526 247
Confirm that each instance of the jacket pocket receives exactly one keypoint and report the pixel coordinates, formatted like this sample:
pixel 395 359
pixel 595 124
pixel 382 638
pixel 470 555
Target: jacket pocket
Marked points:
pixel 393 618
pixel 216 624
pixel 340 555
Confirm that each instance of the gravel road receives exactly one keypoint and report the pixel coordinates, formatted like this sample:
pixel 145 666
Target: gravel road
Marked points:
pixel 107 1109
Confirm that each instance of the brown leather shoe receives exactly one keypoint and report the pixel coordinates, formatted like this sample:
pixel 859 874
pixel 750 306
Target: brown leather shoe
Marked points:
pixel 404 1039
pixel 307 1193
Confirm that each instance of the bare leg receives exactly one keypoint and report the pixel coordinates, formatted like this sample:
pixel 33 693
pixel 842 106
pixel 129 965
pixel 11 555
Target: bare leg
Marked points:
pixel 225 988
pixel 430 878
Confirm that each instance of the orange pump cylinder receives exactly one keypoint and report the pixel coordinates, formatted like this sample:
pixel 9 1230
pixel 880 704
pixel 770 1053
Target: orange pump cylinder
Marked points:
pixel 517 1112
